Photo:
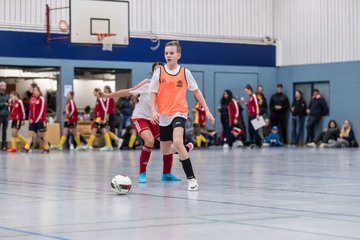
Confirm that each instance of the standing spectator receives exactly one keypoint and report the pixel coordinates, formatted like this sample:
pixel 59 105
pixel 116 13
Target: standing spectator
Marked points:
pixel 229 113
pixel 4 114
pixel 317 109
pixel 253 112
pixel 298 110
pixel 118 107
pixel 263 108
pixel 125 112
pixel 279 104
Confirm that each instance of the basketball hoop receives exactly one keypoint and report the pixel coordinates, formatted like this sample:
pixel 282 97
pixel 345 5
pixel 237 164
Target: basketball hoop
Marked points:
pixel 106 39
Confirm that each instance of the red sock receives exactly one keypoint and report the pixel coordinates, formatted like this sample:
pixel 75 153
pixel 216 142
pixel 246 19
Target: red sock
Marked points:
pixel 167 161
pixel 144 158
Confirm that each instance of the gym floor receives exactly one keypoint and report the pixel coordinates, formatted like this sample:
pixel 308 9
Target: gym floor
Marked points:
pixel 287 193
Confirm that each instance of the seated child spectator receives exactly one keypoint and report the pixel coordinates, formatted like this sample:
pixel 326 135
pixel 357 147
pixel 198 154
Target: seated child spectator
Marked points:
pixel 237 133
pixel 345 139
pixel 203 135
pixel 273 139
pixel 266 130
pixel 330 133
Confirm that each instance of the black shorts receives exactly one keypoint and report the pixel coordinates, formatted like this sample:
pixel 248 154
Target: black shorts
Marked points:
pixel 99 125
pixel 37 127
pixel 166 133
pixel 16 124
pixel 70 125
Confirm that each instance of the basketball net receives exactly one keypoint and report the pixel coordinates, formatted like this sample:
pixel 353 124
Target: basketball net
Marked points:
pixel 106 39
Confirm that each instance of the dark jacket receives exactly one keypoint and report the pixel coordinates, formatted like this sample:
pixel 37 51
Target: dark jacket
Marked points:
pixel 327 134
pixel 279 99
pixel 299 107
pixel 318 107
pixel 351 139
pixel 4 104
pixel 263 107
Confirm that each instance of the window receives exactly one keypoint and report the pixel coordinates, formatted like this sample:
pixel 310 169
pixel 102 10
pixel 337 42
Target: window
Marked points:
pixel 307 88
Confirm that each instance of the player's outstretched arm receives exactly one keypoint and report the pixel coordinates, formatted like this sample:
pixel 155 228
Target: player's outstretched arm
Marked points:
pixel 199 96
pixel 120 93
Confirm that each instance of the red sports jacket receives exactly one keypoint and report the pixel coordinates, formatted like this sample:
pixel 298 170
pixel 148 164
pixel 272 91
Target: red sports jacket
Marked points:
pixel 71 111
pixel 37 109
pixel 233 109
pixel 253 106
pixel 17 111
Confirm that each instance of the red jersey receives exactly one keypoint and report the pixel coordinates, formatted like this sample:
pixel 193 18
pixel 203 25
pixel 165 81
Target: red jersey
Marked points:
pixel 199 115
pixel 101 108
pixel 71 111
pixel 17 111
pixel 37 109
pixel 253 106
pixel 233 109
pixel 111 109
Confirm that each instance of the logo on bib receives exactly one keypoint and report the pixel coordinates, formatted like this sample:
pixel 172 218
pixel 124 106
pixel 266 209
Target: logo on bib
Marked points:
pixel 179 83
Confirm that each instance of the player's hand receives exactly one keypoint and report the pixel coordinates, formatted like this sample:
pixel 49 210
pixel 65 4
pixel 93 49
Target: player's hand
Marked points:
pixel 236 121
pixel 31 121
pixel 210 117
pixel 103 95
pixel 155 118
pixel 22 122
pixel 257 117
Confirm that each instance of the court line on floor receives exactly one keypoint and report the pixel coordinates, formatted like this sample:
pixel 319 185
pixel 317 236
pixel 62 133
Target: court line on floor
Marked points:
pixel 65 188
pixel 120 228
pixel 241 222
pixel 143 219
pixel 295 230
pixel 289 190
pixel 32 233
pixel 103 192
pixel 248 205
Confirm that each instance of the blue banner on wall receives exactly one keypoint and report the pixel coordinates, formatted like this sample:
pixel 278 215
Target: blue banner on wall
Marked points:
pixel 32 45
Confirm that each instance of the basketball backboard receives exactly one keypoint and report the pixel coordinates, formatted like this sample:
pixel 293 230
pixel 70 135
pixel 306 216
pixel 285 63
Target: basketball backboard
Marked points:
pixel 91 17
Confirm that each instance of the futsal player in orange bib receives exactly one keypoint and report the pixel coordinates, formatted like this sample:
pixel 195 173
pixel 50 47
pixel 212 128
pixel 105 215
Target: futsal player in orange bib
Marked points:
pixel 148 131
pixel 168 87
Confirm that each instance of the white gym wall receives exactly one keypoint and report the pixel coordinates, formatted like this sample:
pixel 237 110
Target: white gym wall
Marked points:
pixel 320 31
pixel 227 20
pixel 310 31
pixel 84 87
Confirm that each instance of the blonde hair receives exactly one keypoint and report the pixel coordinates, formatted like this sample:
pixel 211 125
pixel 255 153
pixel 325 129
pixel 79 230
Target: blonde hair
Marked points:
pixel 176 44
pixel 345 132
